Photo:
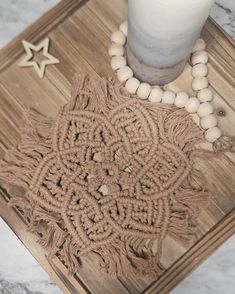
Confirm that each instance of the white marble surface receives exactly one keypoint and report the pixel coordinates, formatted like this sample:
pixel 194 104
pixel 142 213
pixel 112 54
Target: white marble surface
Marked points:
pixel 215 276
pixel 224 14
pixel 16 15
pixel 19 271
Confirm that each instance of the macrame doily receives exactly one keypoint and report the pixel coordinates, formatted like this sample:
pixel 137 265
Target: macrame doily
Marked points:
pixel 109 176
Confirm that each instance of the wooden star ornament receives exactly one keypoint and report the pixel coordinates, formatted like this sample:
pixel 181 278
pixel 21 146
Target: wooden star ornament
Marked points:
pixel 29 60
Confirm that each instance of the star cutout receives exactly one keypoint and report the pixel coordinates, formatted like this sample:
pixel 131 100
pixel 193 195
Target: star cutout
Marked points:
pixel 28 59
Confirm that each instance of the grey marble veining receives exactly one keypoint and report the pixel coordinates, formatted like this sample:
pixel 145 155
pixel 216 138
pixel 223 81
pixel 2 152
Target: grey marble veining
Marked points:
pixel 20 273
pixel 223 13
pixel 16 15
pixel 215 276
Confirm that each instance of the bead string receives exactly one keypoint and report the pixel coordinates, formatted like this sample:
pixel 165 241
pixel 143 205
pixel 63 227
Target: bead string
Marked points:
pixel 200 105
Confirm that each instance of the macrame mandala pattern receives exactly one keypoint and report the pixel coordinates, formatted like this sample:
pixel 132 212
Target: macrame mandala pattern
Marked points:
pixel 109 176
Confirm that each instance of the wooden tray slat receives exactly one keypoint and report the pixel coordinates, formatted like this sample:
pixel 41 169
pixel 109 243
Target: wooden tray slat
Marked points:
pixel 79 33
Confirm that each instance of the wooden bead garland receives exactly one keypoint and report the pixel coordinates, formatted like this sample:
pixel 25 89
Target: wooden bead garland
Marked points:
pixel 116 50
pixel 144 90
pixel 124 27
pixel 199 57
pixel 181 99
pixel 199 83
pixel 205 109
pixel 192 105
pixel 118 37
pixel 168 97
pixel 199 104
pixel 132 85
pixel 118 62
pixel 199 45
pixel 208 121
pixel 124 74
pixel 205 95
pixel 155 94
pixel 212 134
pixel 199 70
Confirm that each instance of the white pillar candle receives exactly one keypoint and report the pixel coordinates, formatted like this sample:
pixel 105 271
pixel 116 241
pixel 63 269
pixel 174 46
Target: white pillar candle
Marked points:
pixel 161 35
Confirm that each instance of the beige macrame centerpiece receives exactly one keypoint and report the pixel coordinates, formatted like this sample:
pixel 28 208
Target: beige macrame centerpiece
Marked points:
pixel 109 176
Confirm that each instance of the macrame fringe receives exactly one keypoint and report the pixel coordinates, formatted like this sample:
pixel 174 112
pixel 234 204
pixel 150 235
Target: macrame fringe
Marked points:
pixel 19 163
pixel 128 255
pixel 124 256
pixel 187 205
pixel 121 257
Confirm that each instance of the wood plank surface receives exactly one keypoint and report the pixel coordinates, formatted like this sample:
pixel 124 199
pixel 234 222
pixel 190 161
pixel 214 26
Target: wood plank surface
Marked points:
pixel 80 37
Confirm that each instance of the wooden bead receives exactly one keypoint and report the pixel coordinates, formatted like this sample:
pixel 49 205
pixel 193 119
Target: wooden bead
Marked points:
pixel 168 97
pixel 144 90
pixel 199 57
pixel 118 37
pixel 103 190
pixel 213 134
pixel 116 50
pixel 124 27
pixel 199 83
pixel 208 121
pixel 204 109
pixel 124 73
pixel 156 94
pixel 98 157
pixel 199 45
pixel 205 95
pixel 199 70
pixel 192 105
pixel 181 99
pixel 132 85
pixel 118 62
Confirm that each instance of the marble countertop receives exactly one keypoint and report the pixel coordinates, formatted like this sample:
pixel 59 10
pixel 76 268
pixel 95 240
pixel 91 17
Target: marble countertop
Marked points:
pixel 215 276
pixel 14 17
pixel 20 273
pixel 223 13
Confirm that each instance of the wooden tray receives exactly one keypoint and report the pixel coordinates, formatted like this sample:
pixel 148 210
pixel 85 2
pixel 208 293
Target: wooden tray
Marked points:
pixel 79 33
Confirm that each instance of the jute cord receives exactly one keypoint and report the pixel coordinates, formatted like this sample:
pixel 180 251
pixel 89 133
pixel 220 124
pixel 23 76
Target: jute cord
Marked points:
pixel 109 176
